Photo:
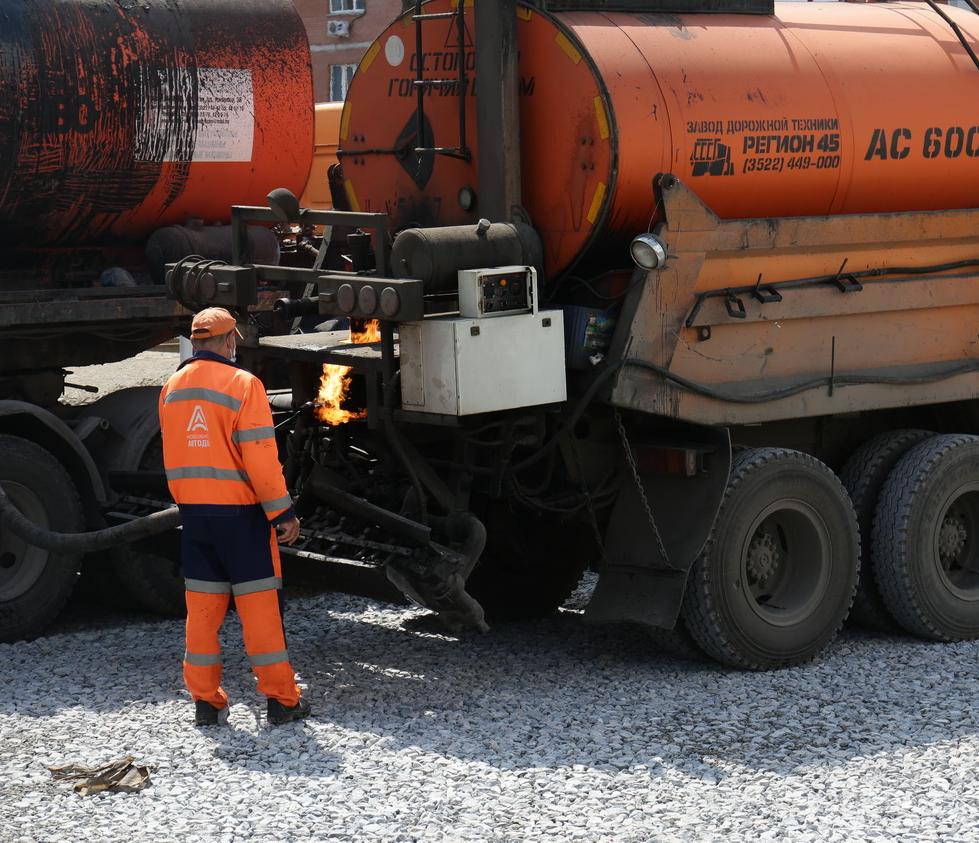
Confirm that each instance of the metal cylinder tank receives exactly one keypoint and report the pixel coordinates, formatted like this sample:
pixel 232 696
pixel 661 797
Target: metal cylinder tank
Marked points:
pixel 118 117
pixel 822 108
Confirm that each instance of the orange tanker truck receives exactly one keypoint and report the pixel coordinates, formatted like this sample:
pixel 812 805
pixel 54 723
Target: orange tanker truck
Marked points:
pixel 685 292
pixel 682 291
pixel 126 132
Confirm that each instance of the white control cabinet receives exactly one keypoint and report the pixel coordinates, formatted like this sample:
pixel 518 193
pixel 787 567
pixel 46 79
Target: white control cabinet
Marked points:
pixel 459 366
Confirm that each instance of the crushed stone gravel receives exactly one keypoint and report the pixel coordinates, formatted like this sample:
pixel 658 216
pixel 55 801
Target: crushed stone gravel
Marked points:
pixel 150 368
pixel 551 730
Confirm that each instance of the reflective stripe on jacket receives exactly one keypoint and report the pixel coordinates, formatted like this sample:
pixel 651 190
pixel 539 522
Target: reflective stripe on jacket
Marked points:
pixel 218 439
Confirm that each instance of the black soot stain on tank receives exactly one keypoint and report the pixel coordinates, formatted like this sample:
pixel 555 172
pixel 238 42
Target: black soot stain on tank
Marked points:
pixel 98 103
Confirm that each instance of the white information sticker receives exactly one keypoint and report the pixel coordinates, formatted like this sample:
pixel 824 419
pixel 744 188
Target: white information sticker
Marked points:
pixel 223 126
pixel 225 115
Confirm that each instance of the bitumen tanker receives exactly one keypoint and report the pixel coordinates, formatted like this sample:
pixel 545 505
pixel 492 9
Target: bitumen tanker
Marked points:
pixel 821 108
pixel 127 130
pixel 629 234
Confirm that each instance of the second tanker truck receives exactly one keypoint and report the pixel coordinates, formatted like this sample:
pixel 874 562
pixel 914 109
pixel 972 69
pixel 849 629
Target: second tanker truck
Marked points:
pixel 126 132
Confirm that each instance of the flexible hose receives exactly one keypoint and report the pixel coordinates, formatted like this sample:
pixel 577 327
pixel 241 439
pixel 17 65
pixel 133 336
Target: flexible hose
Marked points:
pixel 13 520
pixel 394 440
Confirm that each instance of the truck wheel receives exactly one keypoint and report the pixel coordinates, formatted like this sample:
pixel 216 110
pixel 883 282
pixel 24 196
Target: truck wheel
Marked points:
pixel 35 584
pixel 532 562
pixel 926 539
pixel 777 577
pixel 153 579
pixel 863 476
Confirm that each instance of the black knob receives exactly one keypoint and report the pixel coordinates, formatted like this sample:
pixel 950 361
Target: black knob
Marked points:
pixel 390 302
pixel 367 300
pixel 346 298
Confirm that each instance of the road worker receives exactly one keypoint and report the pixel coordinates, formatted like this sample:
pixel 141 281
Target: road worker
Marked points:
pixel 223 470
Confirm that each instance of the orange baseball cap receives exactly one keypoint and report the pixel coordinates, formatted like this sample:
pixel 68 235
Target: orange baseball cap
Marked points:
pixel 213 322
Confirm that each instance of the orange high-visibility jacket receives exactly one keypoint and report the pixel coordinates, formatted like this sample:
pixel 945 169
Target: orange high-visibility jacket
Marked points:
pixel 218 439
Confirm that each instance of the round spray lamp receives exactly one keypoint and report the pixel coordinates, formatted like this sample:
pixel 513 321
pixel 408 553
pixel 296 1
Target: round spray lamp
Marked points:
pixel 648 251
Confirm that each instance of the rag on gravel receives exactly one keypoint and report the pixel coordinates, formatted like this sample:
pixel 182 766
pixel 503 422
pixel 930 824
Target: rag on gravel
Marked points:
pixel 121 776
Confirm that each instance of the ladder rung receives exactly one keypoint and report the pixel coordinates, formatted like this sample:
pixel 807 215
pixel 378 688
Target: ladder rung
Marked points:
pixel 435 16
pixel 438 150
pixel 433 83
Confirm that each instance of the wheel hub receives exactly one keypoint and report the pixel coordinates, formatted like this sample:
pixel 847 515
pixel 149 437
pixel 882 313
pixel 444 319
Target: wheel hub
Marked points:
pixel 764 557
pixel 21 564
pixel 952 538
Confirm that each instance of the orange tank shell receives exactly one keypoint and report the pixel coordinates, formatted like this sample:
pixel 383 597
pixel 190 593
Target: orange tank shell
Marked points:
pixel 823 108
pixel 121 118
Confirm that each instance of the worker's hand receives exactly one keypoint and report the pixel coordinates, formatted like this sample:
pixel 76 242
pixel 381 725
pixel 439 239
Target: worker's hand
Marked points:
pixel 288 531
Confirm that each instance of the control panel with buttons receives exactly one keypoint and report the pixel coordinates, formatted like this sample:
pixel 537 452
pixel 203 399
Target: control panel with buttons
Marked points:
pixel 501 291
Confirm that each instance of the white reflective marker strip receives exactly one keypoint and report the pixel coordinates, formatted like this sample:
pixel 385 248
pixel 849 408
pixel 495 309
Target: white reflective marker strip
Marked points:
pixel 253 586
pixel 202 659
pixel 255 434
pixel 265 659
pixel 205 472
pixel 201 394
pixel 277 504
pixel 207 587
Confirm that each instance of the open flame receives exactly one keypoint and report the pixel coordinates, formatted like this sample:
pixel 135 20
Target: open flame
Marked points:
pixel 335 380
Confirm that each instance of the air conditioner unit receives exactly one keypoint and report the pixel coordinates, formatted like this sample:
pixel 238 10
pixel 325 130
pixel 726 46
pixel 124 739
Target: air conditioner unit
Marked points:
pixel 339 28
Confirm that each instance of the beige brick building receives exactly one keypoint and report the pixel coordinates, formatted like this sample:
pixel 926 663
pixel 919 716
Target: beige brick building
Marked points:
pixel 340 31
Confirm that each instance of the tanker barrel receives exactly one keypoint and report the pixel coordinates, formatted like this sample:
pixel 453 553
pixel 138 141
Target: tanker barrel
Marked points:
pixel 174 242
pixel 120 118
pixel 435 255
pixel 808 127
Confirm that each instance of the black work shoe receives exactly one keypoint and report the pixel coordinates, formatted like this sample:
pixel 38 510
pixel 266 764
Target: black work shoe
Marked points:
pixel 279 714
pixel 206 714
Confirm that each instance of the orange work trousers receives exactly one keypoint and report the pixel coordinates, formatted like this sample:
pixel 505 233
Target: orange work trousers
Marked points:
pixel 231 551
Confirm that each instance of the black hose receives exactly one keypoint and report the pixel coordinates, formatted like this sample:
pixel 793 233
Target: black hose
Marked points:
pixel 576 414
pixel 13 520
pixel 394 440
pixel 787 391
pixel 719 394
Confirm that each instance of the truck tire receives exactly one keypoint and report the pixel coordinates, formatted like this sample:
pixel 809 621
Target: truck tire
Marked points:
pixel 926 539
pixel 777 577
pixel 531 564
pixel 35 584
pixel 154 580
pixel 863 476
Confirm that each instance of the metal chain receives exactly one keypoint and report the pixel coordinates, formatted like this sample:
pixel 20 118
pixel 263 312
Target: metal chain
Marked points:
pixel 593 517
pixel 631 459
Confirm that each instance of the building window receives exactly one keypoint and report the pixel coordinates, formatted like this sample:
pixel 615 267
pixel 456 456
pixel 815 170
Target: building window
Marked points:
pixel 340 76
pixel 346 7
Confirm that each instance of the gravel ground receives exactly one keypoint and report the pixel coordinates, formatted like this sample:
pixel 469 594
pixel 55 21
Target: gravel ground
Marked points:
pixel 151 368
pixel 545 731
pixel 551 730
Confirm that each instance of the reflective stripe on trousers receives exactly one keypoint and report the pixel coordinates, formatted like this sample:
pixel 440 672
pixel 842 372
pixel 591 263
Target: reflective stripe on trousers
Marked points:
pixel 202 659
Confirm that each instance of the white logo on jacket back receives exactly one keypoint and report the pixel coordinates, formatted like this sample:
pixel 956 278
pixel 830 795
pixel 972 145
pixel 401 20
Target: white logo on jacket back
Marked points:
pixel 197 429
pixel 197 420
